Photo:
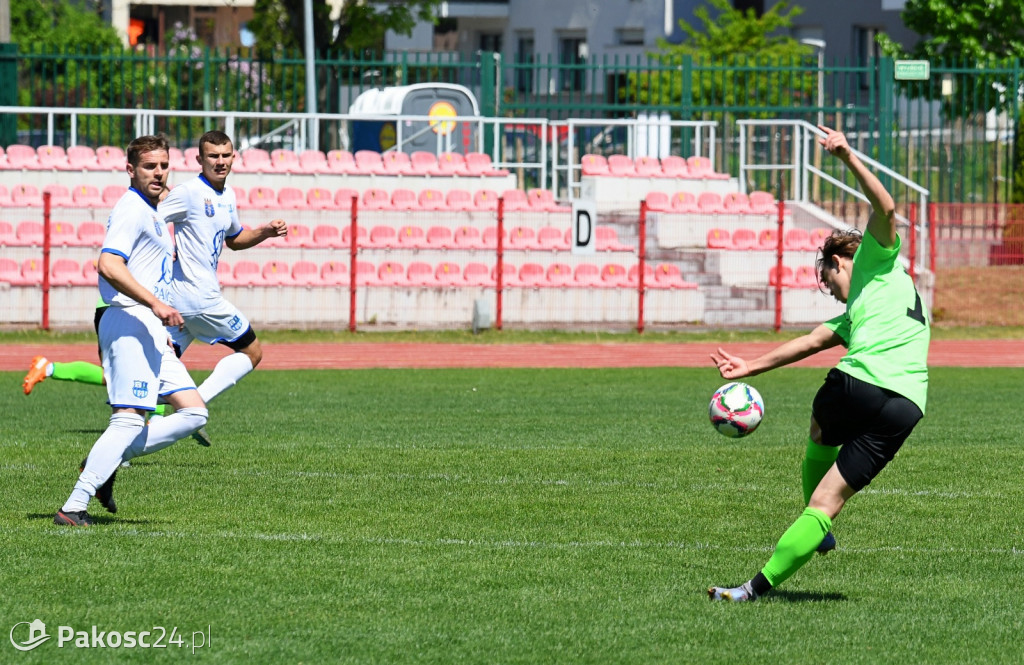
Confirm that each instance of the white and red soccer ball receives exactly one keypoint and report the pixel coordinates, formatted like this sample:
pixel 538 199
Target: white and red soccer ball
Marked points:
pixel 736 409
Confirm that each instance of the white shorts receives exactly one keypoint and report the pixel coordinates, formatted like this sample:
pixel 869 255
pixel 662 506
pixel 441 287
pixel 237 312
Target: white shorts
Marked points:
pixel 221 322
pixel 138 364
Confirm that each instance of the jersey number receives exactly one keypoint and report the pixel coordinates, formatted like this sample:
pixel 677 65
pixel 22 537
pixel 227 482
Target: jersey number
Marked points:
pixel 918 312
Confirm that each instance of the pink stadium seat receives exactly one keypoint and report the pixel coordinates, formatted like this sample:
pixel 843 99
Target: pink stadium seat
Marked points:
pixel 241 197
pixel 369 162
pixel 404 199
pixel 86 196
pixel 254 160
pixel 532 274
pixel 440 237
pixel 479 164
pixel 89 274
pixel 192 158
pixel 111 157
pixel 7 237
pixel 341 161
pixel 62 234
pixel 658 202
pixel 424 163
pixel 595 165
pixel 343 198
pixel 382 237
pixel 719 239
pixel 451 163
pixel 176 159
pixel 397 163
pixel 326 235
pixel 22 157
pixel 448 274
pixel 276 273
pixel 411 237
pixel 366 274
pixel 477 274
pixel 558 274
pixel 420 273
pixel 319 198
pixel 621 166
pixel 299 235
pixel 247 273
pixel 587 274
pixel 31 272
pixel 613 274
pixel 509 275
pixel 291 198
pixel 668 275
pixel 362 236
pixel 485 199
pixel 467 237
pixel 26 196
pixel 763 202
pixel 768 239
pixel 633 277
pixel 674 167
pixel 606 239
pixel 489 238
pixel 684 202
pixel 787 276
pixel 459 199
pixel 10 271
pixel 284 160
pixel 29 233
pixel 60 197
pixel 376 199
pixel 817 238
pixel 113 193
pixel 305 273
pixel 743 239
pixel 262 197
pixel 432 199
pixel 710 203
pixel 805 277
pixel 224 274
pixel 313 161
pixel 82 157
pixel 391 273
pixel 52 157
pixel 648 167
pixel 521 237
pixel 736 202
pixel 543 199
pixel 91 234
pixel 796 240
pixel 65 272
pixel 334 273
pixel 515 199
pixel 548 237
pixel 701 167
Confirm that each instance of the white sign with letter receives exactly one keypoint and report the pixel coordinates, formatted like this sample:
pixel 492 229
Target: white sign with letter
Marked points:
pixel 584 225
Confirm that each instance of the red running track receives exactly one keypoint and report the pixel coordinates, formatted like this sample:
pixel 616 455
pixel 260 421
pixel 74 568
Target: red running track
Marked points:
pixel 365 355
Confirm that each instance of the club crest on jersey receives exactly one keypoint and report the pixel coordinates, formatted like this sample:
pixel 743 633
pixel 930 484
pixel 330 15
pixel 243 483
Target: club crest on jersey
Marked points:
pixel 208 207
pixel 140 389
pixel 158 228
pixel 235 323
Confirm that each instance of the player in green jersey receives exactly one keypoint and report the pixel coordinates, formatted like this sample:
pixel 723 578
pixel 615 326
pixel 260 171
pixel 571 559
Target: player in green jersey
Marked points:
pixel 872 400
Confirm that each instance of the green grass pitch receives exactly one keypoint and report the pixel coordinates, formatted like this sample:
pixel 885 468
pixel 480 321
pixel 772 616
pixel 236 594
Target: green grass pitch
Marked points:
pixel 513 516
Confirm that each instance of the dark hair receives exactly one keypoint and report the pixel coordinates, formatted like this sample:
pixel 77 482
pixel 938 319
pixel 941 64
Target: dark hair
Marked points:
pixel 143 144
pixel 214 137
pixel 839 243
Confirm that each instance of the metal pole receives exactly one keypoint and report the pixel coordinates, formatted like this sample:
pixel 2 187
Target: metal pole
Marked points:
pixel 314 129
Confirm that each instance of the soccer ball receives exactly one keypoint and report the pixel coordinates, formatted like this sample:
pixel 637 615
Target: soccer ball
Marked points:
pixel 736 409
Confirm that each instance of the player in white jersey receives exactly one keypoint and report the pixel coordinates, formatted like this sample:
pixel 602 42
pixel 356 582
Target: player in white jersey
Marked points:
pixel 135 268
pixel 205 218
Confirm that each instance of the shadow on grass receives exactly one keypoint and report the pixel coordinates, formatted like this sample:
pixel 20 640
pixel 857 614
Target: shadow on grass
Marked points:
pixel 804 596
pixel 87 431
pixel 98 519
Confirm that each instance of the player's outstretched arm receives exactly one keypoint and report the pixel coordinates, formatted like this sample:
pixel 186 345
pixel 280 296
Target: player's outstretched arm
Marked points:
pixel 251 237
pixel 882 224
pixel 734 367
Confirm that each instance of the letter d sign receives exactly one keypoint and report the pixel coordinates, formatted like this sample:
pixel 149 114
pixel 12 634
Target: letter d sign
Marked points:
pixel 584 222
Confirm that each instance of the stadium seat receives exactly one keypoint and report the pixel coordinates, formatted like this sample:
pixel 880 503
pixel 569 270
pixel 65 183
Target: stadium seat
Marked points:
pixel 451 163
pixel 7 237
pixel 404 199
pixel 489 238
pixel 787 276
pixel 369 162
pixel 587 274
pixel 313 161
pixel 86 196
pixel 22 157
pixel 480 164
pixel 768 239
pixel 376 199
pixel 668 275
pixel 648 167
pixel 91 234
pixel 176 159
pixel 595 165
pixel 276 273
pixel 633 277
pixel 382 237
pixel 509 275
pixel 621 166
pixel 111 157
pixel 459 199
pixel 796 240
pixel 390 273
pixel 606 239
pixel 467 237
pixel 743 239
pixel 254 160
pixel 305 273
pixel 10 271
pixel 719 239
pixel 284 160
pixel 343 198
pixel 548 237
pixel 540 199
pixel 558 274
pixel 674 167
pixel 224 273
pixel 763 202
pixel 29 234
pixel 736 202
pixel 82 157
pixel 420 273
pixel 319 198
pixel 90 275
pixel 424 163
pixel 613 274
pixel 291 198
pixel 411 237
pixel 366 274
pixel 532 274
pixel 658 202
pixel 362 236
pixel 246 273
pixel 334 273
pixel 62 234
pixel 299 235
pixel 817 238
pixel 341 162
pixel 521 237
pixel 485 199
pixel 52 157
pixel 60 196
pixel 432 199
pixel 327 236
pixel 440 237
pixel 31 272
pixel 26 196
pixel 805 277
pixel 192 157
pixel 65 272
pixel 701 167
pixel 477 274
pixel 112 194
pixel 710 203
pixel 397 163
pixel 262 197
pixel 448 274
pixel 515 199
pixel 684 202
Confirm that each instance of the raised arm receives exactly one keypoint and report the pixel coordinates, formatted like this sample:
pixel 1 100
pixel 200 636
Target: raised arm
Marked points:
pixel 734 367
pixel 882 224
pixel 252 237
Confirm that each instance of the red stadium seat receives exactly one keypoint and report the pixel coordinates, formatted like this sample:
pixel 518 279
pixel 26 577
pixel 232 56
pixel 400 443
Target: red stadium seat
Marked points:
pixel 440 237
pixel 648 167
pixel 485 199
pixel 313 161
pixel 459 199
pixel 52 157
pixel 65 272
pixel 29 234
pixel 668 275
pixel 86 196
pixel 477 274
pixel 319 198
pixel 479 164
pixel 736 202
pixel 521 237
pixel 91 234
pixel 284 160
pixel 424 163
pixel 763 202
pixel 420 273
pixel 112 194
pixel 817 238
pixel 448 274
pixel 432 199
pixel 82 157
pixel 22 157
pixel 247 273
pixel 334 273
pixel 674 167
pixel 404 199
pixel 291 198
pixel 587 274
pixel 515 199
pixel 614 274
pixel 26 196
pixel 391 273
pixel 548 237
pixel 7 237
pixel 719 239
pixel 262 197
pixel 796 240
pixel 376 199
pixel 276 273
pixel 743 239
pixel 369 162
pixel 397 163
pixel 805 277
pixel 467 237
pixel 684 202
pixel 342 162
pixel 532 274
pixel 621 166
pixel 768 239
pixel 343 198
pixel 382 237
pixel 701 167
pixel 327 236
pixel 305 273
pixel 411 237
pixel 558 274
pixel 710 202
pixel 111 157
pixel 787 276
pixel 658 202
pixel 451 163
pixel 595 165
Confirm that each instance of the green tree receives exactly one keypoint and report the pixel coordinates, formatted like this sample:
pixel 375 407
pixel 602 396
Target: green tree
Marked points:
pixel 983 31
pixel 54 24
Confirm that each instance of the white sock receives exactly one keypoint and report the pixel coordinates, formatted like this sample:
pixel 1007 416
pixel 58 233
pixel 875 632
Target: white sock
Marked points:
pixel 227 373
pixel 124 430
pixel 166 431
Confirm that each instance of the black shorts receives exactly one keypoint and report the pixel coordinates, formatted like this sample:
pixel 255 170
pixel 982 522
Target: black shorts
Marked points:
pixel 870 423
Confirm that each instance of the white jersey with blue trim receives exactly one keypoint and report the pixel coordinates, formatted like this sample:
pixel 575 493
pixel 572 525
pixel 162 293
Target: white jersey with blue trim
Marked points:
pixel 137 232
pixel 202 218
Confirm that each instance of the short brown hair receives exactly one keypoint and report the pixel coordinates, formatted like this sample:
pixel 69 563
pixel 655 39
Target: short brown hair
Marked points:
pixel 143 144
pixel 214 137
pixel 839 243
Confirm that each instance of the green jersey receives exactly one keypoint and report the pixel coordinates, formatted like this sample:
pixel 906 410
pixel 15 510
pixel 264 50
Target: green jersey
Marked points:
pixel 885 328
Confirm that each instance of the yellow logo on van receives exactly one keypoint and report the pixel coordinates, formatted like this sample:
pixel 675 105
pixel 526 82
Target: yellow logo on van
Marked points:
pixel 438 111
pixel 387 136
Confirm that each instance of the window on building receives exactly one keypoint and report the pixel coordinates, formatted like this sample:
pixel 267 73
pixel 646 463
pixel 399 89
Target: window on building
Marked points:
pixel 629 36
pixel 865 47
pixel 524 63
pixel 572 55
pixel 490 41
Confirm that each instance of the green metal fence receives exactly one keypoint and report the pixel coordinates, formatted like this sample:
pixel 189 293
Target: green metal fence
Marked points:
pixel 953 133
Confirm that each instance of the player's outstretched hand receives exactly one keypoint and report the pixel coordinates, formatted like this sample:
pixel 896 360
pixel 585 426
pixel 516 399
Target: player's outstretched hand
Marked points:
pixel 167 314
pixel 277 228
pixel 835 142
pixel 729 366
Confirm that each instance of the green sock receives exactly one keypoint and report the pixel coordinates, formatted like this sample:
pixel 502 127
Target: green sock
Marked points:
pixel 80 371
pixel 797 545
pixel 817 461
pixel 160 408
